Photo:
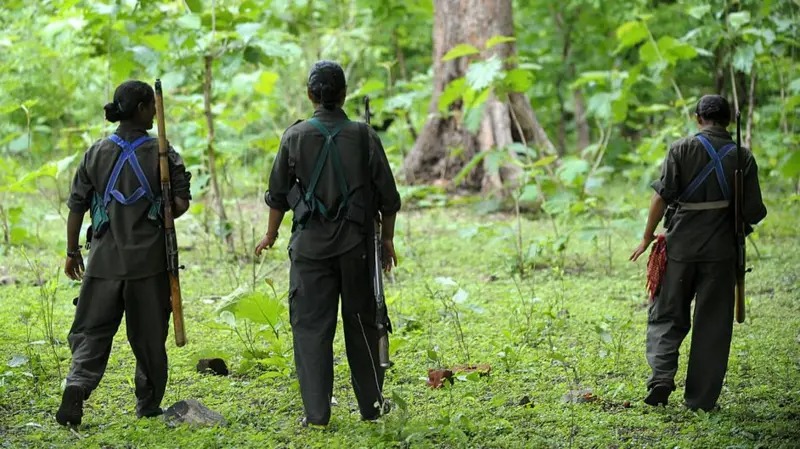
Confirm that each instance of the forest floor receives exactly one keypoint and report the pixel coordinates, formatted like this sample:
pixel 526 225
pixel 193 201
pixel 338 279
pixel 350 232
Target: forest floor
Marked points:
pixel 574 323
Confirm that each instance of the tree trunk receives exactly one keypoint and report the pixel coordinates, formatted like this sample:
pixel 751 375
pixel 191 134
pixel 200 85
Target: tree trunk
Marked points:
pixel 216 194
pixel 751 106
pixel 444 145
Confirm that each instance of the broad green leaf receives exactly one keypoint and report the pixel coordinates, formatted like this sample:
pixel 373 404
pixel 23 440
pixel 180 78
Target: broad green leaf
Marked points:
pixel 473 117
pixel 571 170
pixel 674 50
pixel 266 82
pixel 790 168
pixel 460 296
pixel 648 53
pixel 189 22
pixel 482 74
pixel 593 77
pixel 545 161
pixel 227 317
pixel 158 42
pixel 247 31
pixel 699 11
pixel 459 51
pixel 743 58
pixel 530 194
pixel 453 91
pixel 738 19
pixel 496 40
pixel 518 80
pixel 195 6
pixel 619 109
pixel 794 86
pixel 630 34
pixel 599 105
pixel 370 86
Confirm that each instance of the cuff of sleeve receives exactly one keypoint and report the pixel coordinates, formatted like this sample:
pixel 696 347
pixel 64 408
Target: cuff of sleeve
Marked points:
pixel 669 195
pixel 77 207
pixel 391 209
pixel 278 202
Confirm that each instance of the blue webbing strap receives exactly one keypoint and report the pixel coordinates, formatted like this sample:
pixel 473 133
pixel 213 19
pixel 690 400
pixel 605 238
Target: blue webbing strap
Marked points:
pixel 715 164
pixel 329 148
pixel 128 156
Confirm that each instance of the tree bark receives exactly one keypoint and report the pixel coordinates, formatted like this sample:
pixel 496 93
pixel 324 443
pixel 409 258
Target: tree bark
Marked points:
pixel 444 145
pixel 751 105
pixel 216 194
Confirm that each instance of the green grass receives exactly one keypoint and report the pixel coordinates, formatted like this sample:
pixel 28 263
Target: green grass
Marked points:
pixel 580 326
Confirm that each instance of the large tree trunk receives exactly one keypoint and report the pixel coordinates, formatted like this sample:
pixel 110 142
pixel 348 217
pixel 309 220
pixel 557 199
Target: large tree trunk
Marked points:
pixel 444 145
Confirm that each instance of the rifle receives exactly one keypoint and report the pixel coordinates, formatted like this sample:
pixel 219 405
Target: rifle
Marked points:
pixel 738 204
pixel 169 223
pixel 381 314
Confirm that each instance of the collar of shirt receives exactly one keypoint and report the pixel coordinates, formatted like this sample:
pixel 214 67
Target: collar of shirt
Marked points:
pixel 130 132
pixel 716 131
pixel 335 115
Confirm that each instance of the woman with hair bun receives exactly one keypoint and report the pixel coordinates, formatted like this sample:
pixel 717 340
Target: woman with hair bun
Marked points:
pixel 118 181
pixel 334 175
pixel 697 184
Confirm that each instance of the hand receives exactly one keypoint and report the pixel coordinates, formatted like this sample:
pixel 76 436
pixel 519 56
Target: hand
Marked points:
pixel 646 241
pixel 74 267
pixel 389 256
pixel 266 243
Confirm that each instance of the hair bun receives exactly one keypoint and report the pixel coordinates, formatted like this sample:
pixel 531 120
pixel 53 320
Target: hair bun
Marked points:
pixel 113 114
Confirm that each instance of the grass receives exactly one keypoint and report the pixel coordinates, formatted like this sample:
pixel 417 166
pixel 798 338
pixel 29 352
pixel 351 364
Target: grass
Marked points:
pixel 572 323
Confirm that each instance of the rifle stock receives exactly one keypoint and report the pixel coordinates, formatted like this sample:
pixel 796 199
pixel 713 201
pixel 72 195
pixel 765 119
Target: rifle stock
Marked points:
pixel 169 223
pixel 741 260
pixel 381 314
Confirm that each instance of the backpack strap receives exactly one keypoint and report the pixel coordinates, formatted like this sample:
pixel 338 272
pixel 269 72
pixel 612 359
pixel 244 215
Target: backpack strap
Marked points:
pixel 715 165
pixel 128 156
pixel 329 149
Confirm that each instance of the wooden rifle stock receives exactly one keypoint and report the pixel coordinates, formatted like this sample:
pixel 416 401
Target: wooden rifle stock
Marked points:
pixel 741 261
pixel 169 222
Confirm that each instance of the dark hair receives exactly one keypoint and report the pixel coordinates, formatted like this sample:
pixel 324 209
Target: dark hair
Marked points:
pixel 326 84
pixel 126 100
pixel 714 108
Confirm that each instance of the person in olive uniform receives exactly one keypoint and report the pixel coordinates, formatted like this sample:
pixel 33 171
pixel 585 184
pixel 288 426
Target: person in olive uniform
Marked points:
pixel 700 256
pixel 328 245
pixel 118 180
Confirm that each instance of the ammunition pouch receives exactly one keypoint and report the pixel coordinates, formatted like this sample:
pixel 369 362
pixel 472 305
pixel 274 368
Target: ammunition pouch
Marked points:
pixel 297 202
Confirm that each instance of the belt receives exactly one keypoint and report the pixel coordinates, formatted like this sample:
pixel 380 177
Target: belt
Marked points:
pixel 708 205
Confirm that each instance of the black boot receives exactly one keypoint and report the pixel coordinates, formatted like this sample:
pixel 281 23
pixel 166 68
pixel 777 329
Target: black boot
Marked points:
pixel 71 410
pixel 658 395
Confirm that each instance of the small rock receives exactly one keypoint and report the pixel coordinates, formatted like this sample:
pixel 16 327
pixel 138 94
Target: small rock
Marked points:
pixel 8 280
pixel 192 412
pixel 216 367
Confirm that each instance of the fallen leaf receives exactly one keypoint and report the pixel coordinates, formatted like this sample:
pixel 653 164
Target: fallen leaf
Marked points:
pixel 437 377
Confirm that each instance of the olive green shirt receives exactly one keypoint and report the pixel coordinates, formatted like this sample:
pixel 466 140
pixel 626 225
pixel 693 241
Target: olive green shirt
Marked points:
pixel 706 235
pixel 297 155
pixel 133 246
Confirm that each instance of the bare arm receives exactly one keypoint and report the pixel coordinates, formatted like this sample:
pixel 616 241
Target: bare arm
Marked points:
pixel 73 267
pixel 275 219
pixel 657 208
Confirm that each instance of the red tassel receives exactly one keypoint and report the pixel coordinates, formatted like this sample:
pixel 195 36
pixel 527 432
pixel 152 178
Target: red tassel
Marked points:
pixel 656 265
